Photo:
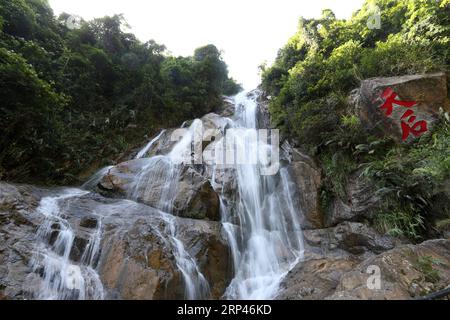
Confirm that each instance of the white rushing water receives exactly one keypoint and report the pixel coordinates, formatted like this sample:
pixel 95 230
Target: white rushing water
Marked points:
pixel 267 241
pixel 196 285
pixel 144 150
pixel 160 178
pixel 61 277
pixel 95 178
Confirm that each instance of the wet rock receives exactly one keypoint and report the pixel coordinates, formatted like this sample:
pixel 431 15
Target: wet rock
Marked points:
pixel 138 262
pixel 163 145
pixel 429 92
pixel 145 180
pixel 89 222
pixel 206 242
pixel 193 195
pixel 227 108
pixel 135 258
pixel 213 126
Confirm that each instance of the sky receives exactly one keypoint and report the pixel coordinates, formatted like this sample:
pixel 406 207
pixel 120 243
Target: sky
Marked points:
pixel 249 32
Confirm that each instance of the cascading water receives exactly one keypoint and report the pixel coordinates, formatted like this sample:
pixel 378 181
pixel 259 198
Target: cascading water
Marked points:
pixel 267 241
pixel 161 176
pixel 161 173
pixel 61 277
pixel 95 178
pixel 196 285
pixel 143 152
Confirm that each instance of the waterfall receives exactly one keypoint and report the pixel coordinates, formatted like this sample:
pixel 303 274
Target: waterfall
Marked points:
pixel 62 278
pixel 160 177
pixel 259 217
pixel 144 150
pixel 196 285
pixel 95 178
pixel 267 241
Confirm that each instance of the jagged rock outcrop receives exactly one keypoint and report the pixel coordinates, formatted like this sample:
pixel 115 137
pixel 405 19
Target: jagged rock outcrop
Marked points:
pixel 402 107
pixel 205 240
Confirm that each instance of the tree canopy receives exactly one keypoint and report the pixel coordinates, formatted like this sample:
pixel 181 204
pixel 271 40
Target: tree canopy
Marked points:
pixel 73 97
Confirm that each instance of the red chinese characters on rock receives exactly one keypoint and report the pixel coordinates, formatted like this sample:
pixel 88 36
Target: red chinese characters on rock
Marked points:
pixel 407 120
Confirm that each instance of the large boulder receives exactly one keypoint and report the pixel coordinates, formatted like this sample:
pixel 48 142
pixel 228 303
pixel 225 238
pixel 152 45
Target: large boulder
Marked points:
pixel 402 107
pixel 206 241
pixel 227 108
pixel 163 142
pixel 329 254
pixel 150 180
pixel 137 257
pixel 196 197
pixel 138 262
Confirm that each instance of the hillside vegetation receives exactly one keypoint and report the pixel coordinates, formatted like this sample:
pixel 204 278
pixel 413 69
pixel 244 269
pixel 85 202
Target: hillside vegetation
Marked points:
pixel 75 95
pixel 309 86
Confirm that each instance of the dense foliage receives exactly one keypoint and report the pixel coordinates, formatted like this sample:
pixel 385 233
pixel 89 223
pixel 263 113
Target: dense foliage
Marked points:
pixel 72 98
pixel 309 85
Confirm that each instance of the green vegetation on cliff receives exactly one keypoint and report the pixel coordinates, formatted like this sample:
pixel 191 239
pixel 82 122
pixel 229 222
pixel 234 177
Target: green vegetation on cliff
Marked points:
pixel 310 83
pixel 72 98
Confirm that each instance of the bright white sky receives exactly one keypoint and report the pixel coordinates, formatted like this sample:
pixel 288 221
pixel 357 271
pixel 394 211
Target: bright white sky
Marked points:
pixel 248 31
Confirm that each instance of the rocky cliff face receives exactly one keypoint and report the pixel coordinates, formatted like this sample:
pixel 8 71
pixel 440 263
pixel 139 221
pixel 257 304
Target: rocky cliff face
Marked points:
pixel 135 259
